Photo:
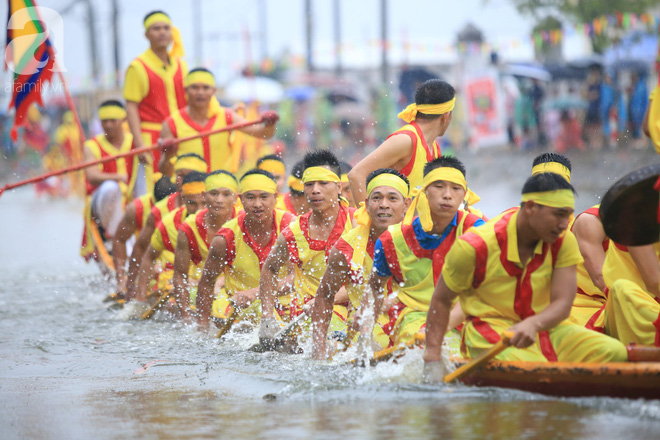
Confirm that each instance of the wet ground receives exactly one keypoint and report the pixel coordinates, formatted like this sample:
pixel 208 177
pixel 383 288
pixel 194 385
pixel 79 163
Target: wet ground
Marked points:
pixel 69 368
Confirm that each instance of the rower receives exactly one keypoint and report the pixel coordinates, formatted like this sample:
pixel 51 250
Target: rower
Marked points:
pixel 518 273
pixel 412 253
pixel 412 146
pixel 240 248
pixel 632 310
pixel 153 90
pixel 346 192
pixel 306 243
pixel 275 166
pixel 165 237
pixel 295 201
pixel 202 113
pixel 351 259
pixel 182 167
pixel 197 231
pixel 134 219
pixel 107 183
pixel 593 244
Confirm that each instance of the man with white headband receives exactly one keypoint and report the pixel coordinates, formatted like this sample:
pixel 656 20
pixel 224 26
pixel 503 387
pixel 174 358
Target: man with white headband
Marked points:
pixel 351 259
pixel 154 89
pixel 518 273
pixel 197 231
pixel 239 249
pixel 111 183
pixel 412 253
pixel 203 113
pixel 306 243
pixel 408 149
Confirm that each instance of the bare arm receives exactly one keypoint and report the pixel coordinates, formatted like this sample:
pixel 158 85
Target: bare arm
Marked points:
pixel 141 245
pixel 562 295
pixel 268 287
pixel 165 166
pixel 180 277
pixel 395 153
pixel 215 264
pixel 95 176
pixel 437 320
pixel 590 236
pixel 133 118
pixel 146 273
pixel 331 282
pixel 124 232
pixel 263 130
pixel 647 263
pixel 645 125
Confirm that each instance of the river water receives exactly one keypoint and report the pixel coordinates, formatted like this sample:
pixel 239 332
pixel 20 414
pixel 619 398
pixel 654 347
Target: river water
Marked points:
pixel 70 369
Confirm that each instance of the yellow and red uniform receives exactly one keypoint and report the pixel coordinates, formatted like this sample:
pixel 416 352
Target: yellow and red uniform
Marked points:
pixel 631 313
pixel 403 254
pixel 164 240
pixel 158 88
pixel 143 206
pixel 497 291
pixel 589 298
pixel 283 203
pixel 245 257
pixel 422 153
pixel 309 256
pixel 216 149
pixel 164 207
pixel 101 148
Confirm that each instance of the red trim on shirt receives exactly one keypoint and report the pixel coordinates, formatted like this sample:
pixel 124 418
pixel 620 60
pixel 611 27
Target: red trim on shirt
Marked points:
pixel 260 251
pixel 335 234
pixel 206 142
pixel 228 235
pixel 480 257
pixel 484 329
pixel 406 170
pixel 139 213
pixel 408 232
pixel 200 222
pixel 345 249
pixel 292 246
pixel 391 256
pixel 195 254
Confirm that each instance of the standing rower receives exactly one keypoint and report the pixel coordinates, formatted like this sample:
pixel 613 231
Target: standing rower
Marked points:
pixel 153 90
pixel 412 146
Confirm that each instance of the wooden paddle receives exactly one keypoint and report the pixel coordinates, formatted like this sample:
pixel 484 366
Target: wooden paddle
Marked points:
pixel 280 335
pixel 158 304
pixel 496 349
pixel 230 320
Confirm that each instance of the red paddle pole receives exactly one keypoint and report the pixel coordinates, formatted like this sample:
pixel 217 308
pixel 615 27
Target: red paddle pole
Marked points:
pixel 156 146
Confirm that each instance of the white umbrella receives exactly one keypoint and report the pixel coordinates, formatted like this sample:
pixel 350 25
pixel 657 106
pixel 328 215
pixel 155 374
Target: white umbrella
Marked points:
pixel 528 71
pixel 259 88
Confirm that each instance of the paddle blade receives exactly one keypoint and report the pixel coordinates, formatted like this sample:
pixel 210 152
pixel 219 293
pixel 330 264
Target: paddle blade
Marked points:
pixel 496 349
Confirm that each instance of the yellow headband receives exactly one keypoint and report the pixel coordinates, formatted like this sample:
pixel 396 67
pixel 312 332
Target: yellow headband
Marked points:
pixel 272 166
pixel 295 184
pixel 421 202
pixel 177 43
pixel 111 112
pixel 561 198
pixel 190 163
pixel 200 77
pixel 344 178
pixel 319 174
pixel 552 167
pixel 192 188
pixel 387 179
pixel 409 113
pixel 258 182
pixel 221 180
pixel 158 17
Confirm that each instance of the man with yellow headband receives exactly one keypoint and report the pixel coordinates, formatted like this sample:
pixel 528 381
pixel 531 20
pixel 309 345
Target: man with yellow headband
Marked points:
pixel 240 248
pixel 294 201
pixel 164 238
pixel 408 149
pixel 202 114
pixel 153 89
pixel 346 183
pixel 182 167
pixel 351 259
pixel 632 310
pixel 108 184
pixel 197 231
pixel 412 253
pixel 275 166
pixel 307 242
pixel 518 274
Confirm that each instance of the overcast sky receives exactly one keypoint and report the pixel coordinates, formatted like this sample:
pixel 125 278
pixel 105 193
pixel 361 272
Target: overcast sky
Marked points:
pixel 224 22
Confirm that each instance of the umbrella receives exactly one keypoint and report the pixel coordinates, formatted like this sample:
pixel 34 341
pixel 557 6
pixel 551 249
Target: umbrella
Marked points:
pixel 300 93
pixel 528 71
pixel 262 89
pixel 565 103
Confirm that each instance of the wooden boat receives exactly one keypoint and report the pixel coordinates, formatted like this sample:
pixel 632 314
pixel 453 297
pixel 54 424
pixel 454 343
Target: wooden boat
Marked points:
pixel 101 254
pixel 618 379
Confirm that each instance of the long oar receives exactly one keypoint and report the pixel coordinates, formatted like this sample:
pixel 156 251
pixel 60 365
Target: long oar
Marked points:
pixel 156 146
pixel 496 349
pixel 229 322
pixel 158 304
pixel 280 335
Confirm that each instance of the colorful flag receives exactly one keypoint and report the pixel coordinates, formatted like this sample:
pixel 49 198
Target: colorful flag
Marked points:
pixel 32 56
